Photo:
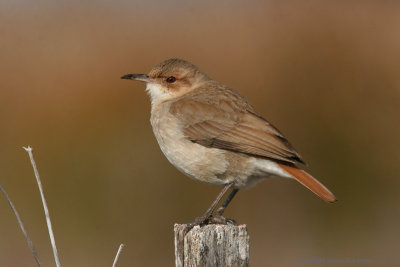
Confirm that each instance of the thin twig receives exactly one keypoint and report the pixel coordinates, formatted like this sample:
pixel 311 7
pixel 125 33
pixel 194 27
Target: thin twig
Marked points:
pixel 46 210
pixel 21 225
pixel 117 256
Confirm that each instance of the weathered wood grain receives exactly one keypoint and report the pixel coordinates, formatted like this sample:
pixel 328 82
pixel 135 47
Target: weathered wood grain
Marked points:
pixel 211 246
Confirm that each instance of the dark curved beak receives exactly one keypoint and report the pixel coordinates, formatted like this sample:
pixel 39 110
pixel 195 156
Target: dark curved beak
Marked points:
pixel 137 77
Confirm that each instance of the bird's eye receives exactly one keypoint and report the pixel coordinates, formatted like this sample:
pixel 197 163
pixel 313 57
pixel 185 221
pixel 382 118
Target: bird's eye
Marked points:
pixel 171 79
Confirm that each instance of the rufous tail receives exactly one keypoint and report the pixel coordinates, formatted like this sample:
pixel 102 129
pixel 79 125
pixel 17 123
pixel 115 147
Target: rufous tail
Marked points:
pixel 310 182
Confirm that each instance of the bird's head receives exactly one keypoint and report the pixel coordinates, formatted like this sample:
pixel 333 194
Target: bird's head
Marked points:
pixel 170 79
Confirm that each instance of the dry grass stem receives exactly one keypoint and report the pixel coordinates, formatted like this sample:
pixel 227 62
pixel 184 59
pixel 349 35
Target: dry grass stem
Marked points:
pixel 21 225
pixel 46 210
pixel 117 256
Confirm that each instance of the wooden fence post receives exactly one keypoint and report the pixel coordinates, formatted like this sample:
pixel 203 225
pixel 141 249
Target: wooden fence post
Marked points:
pixel 212 246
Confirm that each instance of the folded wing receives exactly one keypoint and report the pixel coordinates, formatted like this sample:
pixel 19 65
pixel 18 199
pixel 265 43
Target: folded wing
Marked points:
pixel 229 122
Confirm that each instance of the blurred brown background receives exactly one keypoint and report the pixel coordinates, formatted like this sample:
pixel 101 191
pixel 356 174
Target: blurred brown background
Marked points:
pixel 326 73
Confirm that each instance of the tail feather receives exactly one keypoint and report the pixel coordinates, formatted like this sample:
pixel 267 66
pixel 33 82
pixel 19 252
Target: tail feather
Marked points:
pixel 310 182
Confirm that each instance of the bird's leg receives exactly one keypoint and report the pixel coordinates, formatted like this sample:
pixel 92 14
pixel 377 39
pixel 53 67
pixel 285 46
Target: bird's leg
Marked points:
pixel 228 200
pixel 202 219
pixel 217 217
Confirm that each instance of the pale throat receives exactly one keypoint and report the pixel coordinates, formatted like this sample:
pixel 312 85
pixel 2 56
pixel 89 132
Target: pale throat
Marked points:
pixel 157 93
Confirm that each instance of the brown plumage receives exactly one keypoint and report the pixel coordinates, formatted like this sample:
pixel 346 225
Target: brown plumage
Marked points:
pixel 230 122
pixel 212 133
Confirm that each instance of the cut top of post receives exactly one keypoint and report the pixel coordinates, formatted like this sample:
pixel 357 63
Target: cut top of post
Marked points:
pixel 212 245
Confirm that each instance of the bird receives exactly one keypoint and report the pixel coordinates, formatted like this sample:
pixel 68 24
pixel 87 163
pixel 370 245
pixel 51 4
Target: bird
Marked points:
pixel 212 134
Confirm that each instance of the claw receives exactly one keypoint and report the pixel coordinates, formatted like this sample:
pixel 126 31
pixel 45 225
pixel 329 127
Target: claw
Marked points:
pixel 215 218
pixel 202 220
pixel 219 219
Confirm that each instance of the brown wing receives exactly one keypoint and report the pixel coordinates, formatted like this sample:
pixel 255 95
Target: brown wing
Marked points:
pixel 229 122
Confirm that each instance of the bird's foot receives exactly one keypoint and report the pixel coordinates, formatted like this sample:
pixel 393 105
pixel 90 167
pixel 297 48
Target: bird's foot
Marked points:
pixel 215 218
pixel 201 221
pixel 219 219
